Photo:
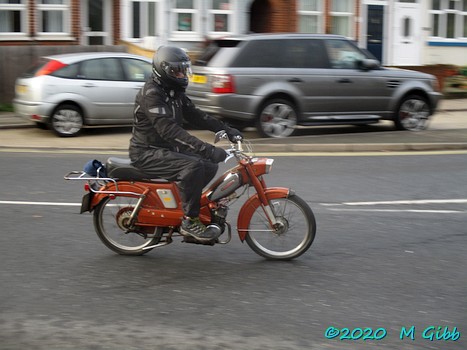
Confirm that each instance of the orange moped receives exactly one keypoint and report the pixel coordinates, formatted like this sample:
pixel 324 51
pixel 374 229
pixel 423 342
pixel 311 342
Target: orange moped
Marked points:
pixel 134 214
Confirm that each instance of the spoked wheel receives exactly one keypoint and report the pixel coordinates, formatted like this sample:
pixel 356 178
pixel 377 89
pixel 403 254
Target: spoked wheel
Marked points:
pixel 293 234
pixel 413 114
pixel 111 221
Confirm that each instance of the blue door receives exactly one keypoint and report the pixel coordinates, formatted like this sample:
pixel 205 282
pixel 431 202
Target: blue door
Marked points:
pixel 375 24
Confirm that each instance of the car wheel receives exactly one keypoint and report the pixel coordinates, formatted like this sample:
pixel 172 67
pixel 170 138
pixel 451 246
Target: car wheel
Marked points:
pixel 277 118
pixel 67 120
pixel 413 114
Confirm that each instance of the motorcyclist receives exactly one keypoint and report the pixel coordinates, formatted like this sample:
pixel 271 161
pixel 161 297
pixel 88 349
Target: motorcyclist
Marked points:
pixel 162 148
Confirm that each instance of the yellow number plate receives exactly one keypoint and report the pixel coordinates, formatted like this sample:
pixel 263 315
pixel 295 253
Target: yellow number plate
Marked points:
pixel 199 79
pixel 21 89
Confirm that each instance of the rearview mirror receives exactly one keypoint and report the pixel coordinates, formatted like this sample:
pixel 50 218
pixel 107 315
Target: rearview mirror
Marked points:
pixel 220 135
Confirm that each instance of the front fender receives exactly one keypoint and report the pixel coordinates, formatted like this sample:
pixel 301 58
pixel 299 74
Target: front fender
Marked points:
pixel 248 208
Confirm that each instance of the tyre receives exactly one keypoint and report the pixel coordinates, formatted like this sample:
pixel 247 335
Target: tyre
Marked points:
pixel 277 118
pixel 293 235
pixel 111 218
pixel 67 120
pixel 413 114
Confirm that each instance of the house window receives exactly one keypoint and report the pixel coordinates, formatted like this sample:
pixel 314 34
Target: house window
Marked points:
pixel 449 19
pixel 309 16
pixel 144 19
pixel 13 17
pixel 186 14
pixel 220 16
pixel 53 17
pixel 342 17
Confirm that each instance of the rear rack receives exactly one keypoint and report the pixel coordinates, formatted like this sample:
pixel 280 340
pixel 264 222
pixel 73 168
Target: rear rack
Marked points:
pixel 95 182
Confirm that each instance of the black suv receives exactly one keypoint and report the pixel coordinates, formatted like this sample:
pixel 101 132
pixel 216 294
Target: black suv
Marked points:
pixel 279 82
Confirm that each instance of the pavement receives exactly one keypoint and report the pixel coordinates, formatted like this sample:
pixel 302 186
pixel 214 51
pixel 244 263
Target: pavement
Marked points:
pixel 447 131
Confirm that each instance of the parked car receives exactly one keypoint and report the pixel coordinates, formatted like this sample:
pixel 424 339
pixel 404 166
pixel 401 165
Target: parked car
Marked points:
pixel 68 92
pixel 279 82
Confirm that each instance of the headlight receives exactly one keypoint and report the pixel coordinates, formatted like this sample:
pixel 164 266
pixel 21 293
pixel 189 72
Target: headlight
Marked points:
pixel 269 162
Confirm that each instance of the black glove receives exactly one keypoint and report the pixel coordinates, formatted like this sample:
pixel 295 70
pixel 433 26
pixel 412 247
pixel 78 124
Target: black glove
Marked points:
pixel 234 135
pixel 218 154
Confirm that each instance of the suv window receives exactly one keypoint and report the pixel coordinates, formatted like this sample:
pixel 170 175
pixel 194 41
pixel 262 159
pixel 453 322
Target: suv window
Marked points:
pixel 212 49
pixel 277 53
pixel 302 53
pixel 342 54
pixel 260 53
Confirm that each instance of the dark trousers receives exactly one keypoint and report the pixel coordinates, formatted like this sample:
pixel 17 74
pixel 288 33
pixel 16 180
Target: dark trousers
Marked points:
pixel 191 173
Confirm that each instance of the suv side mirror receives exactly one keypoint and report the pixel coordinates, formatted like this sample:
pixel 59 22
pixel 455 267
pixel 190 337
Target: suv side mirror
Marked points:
pixel 368 64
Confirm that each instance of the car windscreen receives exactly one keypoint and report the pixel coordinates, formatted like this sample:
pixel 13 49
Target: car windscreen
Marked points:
pixel 213 48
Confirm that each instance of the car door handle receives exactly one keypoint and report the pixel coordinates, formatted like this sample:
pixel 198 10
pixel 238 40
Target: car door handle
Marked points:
pixel 87 85
pixel 344 81
pixel 295 80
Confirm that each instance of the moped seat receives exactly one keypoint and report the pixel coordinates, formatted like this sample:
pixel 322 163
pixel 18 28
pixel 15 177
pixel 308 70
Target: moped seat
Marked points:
pixel 121 168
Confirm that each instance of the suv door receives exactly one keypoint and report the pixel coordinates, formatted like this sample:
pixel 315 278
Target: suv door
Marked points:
pixel 294 67
pixel 305 65
pixel 354 91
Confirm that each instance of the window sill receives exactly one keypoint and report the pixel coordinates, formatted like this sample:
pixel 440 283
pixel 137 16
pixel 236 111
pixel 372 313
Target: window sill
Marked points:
pixel 8 37
pixel 188 36
pixel 54 38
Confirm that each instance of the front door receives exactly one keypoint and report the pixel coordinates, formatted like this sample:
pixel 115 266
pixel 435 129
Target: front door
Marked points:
pixel 407 33
pixel 375 26
pixel 96 17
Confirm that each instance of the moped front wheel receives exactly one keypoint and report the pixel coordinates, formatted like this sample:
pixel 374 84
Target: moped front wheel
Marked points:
pixel 112 224
pixel 292 235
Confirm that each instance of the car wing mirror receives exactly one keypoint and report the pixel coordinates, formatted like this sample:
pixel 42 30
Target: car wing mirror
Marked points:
pixel 368 64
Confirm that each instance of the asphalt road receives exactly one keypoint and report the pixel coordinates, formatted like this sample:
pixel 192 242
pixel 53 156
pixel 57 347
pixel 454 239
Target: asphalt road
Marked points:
pixel 388 262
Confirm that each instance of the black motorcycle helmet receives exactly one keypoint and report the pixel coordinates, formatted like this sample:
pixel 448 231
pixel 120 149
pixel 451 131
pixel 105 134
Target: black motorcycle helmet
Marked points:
pixel 172 66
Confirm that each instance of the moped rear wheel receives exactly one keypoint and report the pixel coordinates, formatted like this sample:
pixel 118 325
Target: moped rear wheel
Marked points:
pixel 294 232
pixel 111 221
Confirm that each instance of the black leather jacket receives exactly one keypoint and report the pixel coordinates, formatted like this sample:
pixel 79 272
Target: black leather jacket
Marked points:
pixel 158 117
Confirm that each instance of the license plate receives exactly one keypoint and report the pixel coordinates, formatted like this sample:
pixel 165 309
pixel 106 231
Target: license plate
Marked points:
pixel 86 202
pixel 199 79
pixel 21 89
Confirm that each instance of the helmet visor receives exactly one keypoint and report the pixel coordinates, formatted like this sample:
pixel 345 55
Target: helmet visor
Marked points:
pixel 178 70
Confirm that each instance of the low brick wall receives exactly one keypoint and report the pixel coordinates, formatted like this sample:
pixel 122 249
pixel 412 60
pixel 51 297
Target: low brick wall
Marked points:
pixel 445 73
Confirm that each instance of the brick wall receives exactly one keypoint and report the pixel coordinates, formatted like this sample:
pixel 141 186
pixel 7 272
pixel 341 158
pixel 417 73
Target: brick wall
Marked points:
pixel 283 16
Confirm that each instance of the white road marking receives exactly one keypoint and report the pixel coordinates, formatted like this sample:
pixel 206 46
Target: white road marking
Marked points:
pixel 344 206
pixel 398 202
pixel 40 203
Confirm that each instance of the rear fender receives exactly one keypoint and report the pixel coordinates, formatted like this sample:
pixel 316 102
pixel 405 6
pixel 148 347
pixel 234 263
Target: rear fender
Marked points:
pixel 249 207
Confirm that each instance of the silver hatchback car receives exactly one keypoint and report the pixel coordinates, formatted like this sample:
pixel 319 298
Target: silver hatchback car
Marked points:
pixel 68 92
pixel 279 82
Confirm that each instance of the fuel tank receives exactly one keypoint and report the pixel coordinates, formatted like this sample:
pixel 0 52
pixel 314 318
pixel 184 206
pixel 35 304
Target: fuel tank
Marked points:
pixel 227 186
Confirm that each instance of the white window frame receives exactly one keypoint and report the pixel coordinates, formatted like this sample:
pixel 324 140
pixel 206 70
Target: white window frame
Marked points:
pixel 190 35
pixel 211 18
pixel 144 24
pixel 350 15
pixel 459 17
pixel 65 10
pixel 318 13
pixel 24 22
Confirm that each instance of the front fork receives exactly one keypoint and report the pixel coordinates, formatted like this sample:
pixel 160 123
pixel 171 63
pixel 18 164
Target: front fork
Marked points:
pixel 260 186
